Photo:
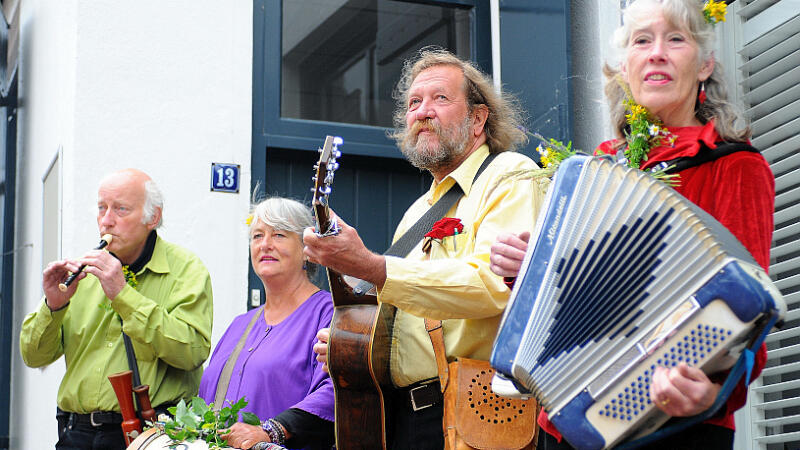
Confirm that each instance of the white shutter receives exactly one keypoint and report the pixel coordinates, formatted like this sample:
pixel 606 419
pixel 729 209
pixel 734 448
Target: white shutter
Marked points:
pixel 767 41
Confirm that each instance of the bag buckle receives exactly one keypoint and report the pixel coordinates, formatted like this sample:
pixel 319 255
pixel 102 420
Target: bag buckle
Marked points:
pixel 414 405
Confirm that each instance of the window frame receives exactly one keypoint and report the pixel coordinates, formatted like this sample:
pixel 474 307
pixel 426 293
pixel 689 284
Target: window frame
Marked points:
pixel 272 130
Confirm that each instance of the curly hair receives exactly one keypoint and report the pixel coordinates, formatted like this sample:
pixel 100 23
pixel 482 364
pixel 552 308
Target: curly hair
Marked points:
pixel 504 130
pixel 687 15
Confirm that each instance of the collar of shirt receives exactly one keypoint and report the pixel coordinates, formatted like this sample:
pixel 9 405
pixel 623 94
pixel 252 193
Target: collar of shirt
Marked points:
pixel 464 175
pixel 158 261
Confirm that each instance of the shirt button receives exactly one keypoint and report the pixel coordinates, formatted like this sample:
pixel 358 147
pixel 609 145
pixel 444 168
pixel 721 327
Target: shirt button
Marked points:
pixel 110 344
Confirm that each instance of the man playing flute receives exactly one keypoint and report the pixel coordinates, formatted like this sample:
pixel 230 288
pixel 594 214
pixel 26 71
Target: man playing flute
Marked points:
pixel 155 292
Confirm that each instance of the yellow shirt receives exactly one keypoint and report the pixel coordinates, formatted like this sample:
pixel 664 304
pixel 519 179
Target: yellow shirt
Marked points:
pixel 454 281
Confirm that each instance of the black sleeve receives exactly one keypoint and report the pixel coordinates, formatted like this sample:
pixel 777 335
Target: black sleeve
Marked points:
pixel 307 430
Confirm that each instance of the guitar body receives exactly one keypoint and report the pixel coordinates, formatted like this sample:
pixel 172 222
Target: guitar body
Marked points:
pixel 358 362
pixel 360 337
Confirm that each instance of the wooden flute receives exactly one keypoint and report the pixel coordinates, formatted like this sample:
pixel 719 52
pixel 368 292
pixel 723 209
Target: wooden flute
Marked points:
pixel 104 241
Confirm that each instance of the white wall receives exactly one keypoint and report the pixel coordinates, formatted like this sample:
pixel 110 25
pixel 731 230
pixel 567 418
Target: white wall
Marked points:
pixel 161 86
pixel 593 23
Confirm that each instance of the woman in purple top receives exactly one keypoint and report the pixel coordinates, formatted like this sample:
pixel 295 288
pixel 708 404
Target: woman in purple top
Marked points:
pixel 276 370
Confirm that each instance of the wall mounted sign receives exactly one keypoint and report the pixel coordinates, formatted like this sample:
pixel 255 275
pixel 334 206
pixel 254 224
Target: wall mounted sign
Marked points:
pixel 224 177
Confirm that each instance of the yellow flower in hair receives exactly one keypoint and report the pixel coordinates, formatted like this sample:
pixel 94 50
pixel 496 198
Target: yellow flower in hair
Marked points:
pixel 249 220
pixel 714 11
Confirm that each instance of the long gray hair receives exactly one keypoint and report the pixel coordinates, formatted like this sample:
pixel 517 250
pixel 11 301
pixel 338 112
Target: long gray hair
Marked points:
pixel 687 15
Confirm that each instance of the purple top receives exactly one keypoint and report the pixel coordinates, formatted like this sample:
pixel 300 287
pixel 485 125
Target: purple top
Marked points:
pixel 277 368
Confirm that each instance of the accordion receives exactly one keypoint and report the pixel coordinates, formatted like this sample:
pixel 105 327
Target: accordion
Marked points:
pixel 625 275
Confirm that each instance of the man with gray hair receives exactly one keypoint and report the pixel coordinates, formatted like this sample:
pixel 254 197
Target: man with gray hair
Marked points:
pixel 156 293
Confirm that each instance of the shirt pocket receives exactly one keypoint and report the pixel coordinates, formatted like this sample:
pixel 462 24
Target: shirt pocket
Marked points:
pixel 144 352
pixel 450 246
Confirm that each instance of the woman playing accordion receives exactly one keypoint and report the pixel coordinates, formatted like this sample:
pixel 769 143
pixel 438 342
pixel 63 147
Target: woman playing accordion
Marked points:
pixel 669 86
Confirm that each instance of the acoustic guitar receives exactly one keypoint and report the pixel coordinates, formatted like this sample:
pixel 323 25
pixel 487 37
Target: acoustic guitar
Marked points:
pixel 360 339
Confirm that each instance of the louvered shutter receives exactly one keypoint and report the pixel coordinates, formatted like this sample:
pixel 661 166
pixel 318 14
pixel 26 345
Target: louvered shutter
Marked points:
pixel 768 45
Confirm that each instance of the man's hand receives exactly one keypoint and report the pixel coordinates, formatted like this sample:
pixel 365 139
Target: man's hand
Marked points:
pixel 242 435
pixel 56 272
pixel 321 347
pixel 682 391
pixel 507 253
pixel 345 253
pixel 107 269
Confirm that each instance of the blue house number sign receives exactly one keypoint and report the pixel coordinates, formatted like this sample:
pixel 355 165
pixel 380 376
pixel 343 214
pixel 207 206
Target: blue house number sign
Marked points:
pixel 225 177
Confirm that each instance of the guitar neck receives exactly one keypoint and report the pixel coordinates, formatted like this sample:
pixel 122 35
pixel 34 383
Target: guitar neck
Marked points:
pixel 323 216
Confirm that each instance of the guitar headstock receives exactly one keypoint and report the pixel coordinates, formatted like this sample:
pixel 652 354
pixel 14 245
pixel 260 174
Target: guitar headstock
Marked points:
pixel 323 179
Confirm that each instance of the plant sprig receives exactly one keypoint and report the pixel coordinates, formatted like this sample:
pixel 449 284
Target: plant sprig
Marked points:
pixel 552 152
pixel 199 420
pixel 646 132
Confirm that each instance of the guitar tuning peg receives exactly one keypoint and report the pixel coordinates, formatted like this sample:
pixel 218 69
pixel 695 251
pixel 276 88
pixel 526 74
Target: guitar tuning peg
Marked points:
pixel 338 140
pixel 337 154
pixel 325 190
pixel 316 166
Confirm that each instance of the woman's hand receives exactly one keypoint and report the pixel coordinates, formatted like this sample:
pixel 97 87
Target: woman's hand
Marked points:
pixel 244 436
pixel 507 253
pixel 682 391
pixel 321 347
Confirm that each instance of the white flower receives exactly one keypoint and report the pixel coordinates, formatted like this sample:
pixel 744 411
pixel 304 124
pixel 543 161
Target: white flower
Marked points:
pixel 653 129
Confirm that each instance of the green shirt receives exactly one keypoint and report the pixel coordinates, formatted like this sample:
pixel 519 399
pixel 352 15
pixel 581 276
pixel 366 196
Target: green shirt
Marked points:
pixel 168 317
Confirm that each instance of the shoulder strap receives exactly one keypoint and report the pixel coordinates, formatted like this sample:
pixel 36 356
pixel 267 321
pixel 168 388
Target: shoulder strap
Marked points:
pixel 436 333
pixel 130 354
pixel 225 377
pixel 723 149
pixel 415 233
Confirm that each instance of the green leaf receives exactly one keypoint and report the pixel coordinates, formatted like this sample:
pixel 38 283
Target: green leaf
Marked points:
pixel 180 409
pixel 199 406
pixel 239 404
pixel 250 418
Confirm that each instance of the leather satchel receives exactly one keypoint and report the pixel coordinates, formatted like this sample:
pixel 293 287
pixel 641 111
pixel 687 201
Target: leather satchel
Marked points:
pixel 474 416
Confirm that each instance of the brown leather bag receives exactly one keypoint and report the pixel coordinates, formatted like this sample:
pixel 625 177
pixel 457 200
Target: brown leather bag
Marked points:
pixel 474 416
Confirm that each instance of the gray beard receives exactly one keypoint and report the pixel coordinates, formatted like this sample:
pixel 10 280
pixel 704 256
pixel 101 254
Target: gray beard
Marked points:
pixel 452 143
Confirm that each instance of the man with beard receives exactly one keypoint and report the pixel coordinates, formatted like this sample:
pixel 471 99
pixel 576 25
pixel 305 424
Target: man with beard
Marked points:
pixel 449 119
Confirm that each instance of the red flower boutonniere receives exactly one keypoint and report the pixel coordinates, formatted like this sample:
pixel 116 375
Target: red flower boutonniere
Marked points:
pixel 448 226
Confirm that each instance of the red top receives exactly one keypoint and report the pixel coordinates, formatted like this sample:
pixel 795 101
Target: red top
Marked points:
pixel 739 191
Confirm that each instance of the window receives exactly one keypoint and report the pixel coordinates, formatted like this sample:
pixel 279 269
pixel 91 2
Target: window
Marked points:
pixel 329 66
pixel 767 37
pixel 340 60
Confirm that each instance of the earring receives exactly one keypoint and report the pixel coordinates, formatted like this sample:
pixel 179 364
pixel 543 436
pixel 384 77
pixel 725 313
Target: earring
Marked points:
pixel 702 96
pixel 305 264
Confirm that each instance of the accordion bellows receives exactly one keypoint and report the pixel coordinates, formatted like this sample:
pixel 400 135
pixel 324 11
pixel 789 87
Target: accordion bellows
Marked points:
pixel 624 275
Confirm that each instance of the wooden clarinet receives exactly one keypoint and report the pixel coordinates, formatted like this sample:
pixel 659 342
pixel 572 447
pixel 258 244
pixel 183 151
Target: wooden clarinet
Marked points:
pixel 123 386
pixel 142 393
